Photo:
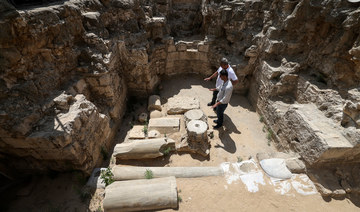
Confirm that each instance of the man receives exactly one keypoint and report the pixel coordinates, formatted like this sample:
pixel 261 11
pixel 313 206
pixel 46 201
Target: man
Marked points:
pixel 224 64
pixel 223 98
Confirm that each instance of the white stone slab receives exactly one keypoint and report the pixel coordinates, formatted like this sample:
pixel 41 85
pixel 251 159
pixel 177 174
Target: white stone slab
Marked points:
pixel 137 132
pixel 180 105
pixel 165 125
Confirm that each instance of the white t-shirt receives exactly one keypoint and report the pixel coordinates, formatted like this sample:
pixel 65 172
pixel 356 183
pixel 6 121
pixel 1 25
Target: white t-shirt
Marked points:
pixel 231 75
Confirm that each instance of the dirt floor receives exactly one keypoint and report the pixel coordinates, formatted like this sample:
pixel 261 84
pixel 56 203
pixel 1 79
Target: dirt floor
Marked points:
pixel 241 138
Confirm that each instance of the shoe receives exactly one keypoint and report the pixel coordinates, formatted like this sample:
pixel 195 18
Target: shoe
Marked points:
pixel 215 121
pixel 217 126
pixel 209 104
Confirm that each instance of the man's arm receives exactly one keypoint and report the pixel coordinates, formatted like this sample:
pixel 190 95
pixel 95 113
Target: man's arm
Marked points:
pixel 212 76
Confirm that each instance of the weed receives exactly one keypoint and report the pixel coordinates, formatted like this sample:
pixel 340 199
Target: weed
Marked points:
pixel 104 153
pixel 131 124
pixel 165 135
pixel 149 174
pixel 179 190
pixel 179 198
pixel 99 209
pixel 211 135
pixel 107 176
pixel 261 119
pixel 239 159
pixel 145 130
pixel 167 151
pixel 263 129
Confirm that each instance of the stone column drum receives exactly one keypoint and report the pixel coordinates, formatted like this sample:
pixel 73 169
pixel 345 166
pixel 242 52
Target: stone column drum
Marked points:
pixel 196 130
pixel 196 114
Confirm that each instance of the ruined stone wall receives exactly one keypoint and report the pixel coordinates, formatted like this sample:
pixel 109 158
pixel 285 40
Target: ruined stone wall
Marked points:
pixel 66 70
pixel 307 79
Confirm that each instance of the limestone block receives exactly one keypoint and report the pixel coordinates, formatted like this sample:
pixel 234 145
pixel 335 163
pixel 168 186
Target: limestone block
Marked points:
pixel 155 114
pixel 179 105
pixel 153 134
pixel 251 51
pixel 140 195
pixel 196 114
pixel 317 137
pixel 171 48
pixel 143 117
pixel 137 132
pixel 295 165
pixel 154 103
pixel 63 101
pixel 140 149
pixel 181 47
pixel 173 56
pixel 165 125
pixel 203 47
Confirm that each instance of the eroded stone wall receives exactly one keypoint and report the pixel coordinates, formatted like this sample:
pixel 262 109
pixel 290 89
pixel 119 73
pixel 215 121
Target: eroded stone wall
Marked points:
pixel 67 68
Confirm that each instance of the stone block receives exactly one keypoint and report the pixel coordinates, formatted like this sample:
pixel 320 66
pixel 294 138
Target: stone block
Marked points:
pixel 155 114
pixel 318 138
pixel 181 47
pixel 171 48
pixel 137 132
pixel 154 103
pixel 180 105
pixel 203 47
pixel 165 125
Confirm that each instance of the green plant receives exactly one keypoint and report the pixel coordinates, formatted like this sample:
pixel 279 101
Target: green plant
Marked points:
pixel 261 119
pixel 145 130
pixel 107 176
pixel 149 174
pixel 104 153
pixel 211 135
pixel 179 198
pixel 263 129
pixel 166 151
pixel 99 209
pixel 239 159
pixel 165 135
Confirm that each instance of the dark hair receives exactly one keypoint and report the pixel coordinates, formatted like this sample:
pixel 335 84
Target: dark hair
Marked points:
pixel 224 72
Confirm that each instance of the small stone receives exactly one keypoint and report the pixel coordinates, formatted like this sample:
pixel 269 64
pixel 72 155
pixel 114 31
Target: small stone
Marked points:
pixel 153 134
pixel 322 190
pixel 339 193
pixel 143 117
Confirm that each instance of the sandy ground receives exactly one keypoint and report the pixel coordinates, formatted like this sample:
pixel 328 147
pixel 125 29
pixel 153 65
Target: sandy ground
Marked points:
pixel 241 138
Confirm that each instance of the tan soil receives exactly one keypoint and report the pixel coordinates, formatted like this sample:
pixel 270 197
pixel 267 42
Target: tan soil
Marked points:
pixel 241 137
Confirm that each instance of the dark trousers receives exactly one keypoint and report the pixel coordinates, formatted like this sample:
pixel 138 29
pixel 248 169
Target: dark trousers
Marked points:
pixel 215 93
pixel 220 113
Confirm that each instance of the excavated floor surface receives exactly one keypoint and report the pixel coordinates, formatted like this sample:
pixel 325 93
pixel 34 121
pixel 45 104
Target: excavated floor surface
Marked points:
pixel 242 137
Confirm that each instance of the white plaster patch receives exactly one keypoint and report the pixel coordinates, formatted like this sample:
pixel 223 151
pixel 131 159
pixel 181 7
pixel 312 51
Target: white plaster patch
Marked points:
pixel 249 173
pixel 252 180
pixel 303 185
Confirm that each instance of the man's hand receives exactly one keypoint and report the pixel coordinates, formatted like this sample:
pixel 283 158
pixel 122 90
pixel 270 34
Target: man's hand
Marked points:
pixel 212 89
pixel 216 104
pixel 207 78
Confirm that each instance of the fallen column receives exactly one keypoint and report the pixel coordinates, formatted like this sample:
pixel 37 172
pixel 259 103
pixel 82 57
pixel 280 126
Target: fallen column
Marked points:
pixel 136 195
pixel 129 172
pixel 146 148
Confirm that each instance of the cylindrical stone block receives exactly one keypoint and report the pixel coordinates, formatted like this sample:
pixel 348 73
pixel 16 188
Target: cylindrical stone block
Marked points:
pixel 197 131
pixel 154 103
pixel 196 114
pixel 139 195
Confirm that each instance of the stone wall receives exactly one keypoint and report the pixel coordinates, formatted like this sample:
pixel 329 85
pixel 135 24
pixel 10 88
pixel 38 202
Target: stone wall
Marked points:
pixel 306 65
pixel 78 60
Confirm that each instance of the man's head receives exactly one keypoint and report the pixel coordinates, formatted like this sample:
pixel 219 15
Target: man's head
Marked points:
pixel 224 63
pixel 224 75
